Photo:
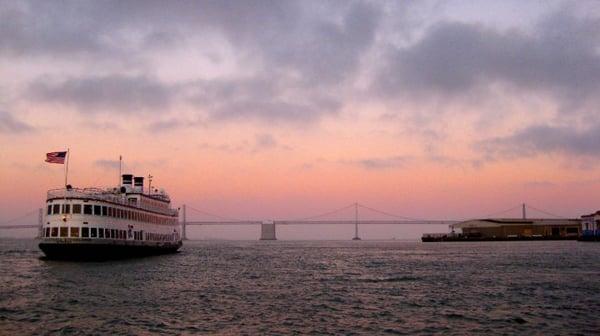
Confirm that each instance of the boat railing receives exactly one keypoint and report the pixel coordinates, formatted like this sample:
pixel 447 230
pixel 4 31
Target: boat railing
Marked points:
pixel 104 195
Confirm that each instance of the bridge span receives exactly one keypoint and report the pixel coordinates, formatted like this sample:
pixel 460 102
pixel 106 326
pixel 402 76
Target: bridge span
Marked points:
pixel 268 227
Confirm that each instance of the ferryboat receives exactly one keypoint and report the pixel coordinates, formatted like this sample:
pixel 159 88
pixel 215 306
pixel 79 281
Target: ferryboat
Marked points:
pixel 109 223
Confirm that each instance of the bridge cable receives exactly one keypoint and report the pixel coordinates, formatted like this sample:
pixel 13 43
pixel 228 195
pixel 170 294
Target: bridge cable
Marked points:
pixel 545 212
pixel 390 214
pixel 20 217
pixel 501 212
pixel 212 215
pixel 326 213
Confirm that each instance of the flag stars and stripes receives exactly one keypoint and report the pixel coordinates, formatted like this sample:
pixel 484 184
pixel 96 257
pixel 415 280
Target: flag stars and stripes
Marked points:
pixel 56 157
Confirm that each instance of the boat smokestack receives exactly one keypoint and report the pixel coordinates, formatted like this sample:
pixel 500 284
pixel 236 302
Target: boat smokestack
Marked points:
pixel 127 180
pixel 138 183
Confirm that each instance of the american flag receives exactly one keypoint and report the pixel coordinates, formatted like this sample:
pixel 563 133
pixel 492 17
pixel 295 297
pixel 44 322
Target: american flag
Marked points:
pixel 56 157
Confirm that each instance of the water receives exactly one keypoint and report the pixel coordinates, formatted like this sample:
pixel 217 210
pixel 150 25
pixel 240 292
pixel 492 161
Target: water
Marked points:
pixel 308 288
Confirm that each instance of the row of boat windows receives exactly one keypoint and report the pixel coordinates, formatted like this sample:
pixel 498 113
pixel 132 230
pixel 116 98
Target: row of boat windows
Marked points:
pixel 103 210
pixel 73 232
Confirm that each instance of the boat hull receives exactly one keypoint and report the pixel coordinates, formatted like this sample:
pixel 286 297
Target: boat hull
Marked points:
pixel 485 239
pixel 96 251
pixel 589 238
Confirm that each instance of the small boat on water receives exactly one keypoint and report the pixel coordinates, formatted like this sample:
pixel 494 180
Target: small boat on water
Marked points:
pixel 109 223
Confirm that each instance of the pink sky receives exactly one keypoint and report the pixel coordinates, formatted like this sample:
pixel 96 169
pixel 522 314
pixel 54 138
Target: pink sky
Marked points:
pixel 262 111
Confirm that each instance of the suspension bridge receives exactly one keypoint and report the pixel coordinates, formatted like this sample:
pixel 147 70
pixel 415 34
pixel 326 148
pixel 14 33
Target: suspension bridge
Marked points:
pixel 352 214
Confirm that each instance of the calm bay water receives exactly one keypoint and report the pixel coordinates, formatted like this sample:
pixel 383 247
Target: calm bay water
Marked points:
pixel 282 287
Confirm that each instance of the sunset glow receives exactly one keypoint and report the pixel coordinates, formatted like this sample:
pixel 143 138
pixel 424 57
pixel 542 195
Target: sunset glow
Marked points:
pixel 424 109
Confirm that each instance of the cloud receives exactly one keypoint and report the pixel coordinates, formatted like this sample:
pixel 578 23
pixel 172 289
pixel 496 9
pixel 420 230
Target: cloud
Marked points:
pixel 379 163
pixel 325 51
pixel 36 27
pixel 11 125
pixel 172 124
pixel 107 164
pixel 455 59
pixel 301 53
pixel 265 141
pixel 544 139
pixel 260 98
pixel 111 94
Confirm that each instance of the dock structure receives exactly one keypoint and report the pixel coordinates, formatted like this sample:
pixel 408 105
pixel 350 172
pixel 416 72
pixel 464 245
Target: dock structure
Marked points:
pixel 267 231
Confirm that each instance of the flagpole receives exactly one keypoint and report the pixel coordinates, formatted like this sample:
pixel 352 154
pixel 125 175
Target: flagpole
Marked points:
pixel 119 177
pixel 67 168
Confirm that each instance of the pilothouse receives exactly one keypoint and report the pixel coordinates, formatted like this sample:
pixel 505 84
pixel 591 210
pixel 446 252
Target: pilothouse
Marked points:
pixel 108 223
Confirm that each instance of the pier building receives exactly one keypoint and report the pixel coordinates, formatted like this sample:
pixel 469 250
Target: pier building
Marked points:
pixel 590 227
pixel 511 228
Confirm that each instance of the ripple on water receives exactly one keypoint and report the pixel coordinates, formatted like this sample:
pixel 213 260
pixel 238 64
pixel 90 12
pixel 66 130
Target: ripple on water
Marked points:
pixel 308 287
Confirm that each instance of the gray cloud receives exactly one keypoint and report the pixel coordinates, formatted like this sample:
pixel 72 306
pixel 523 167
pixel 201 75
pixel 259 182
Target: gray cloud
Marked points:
pixel 459 59
pixel 324 51
pixel 265 141
pixel 173 124
pixel 300 53
pixel 379 163
pixel 264 99
pixel 107 164
pixel 116 93
pixel 544 139
pixel 11 125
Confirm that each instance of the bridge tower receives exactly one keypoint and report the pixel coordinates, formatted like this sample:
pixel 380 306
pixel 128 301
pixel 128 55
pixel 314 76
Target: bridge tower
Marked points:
pixel 183 223
pixel 267 231
pixel 356 237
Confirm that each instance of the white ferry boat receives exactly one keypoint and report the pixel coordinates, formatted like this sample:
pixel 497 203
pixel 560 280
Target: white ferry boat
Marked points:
pixel 109 223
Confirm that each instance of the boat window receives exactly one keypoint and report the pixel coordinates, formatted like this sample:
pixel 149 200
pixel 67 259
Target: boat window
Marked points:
pixel 85 232
pixel 75 232
pixel 54 232
pixel 93 232
pixel 112 233
pixel 100 233
pixel 107 233
pixel 97 210
pixel 49 209
pixel 87 209
pixel 66 208
pixel 64 231
pixel 76 208
pixel 56 209
pixel 104 211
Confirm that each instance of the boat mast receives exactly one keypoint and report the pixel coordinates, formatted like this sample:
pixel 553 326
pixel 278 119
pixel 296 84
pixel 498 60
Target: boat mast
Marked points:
pixel 120 168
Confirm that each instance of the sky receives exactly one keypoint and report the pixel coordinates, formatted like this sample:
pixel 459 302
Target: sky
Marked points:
pixel 286 109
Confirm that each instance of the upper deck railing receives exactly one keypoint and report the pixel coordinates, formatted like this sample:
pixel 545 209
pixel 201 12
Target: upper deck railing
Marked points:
pixel 105 195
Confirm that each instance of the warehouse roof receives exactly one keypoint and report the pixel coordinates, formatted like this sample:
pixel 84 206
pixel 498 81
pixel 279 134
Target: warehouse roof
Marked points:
pixel 498 222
